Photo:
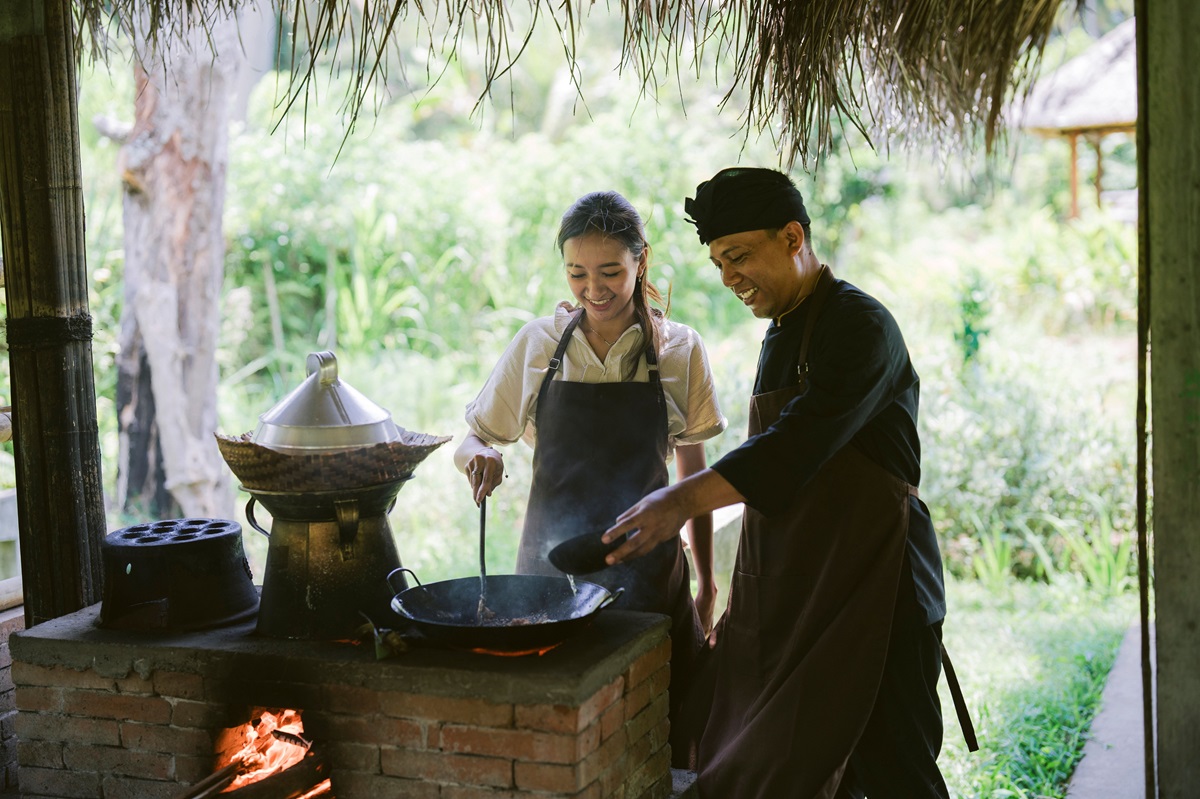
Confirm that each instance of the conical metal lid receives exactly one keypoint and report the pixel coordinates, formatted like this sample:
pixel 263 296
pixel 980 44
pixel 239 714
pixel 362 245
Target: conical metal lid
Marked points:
pixel 324 414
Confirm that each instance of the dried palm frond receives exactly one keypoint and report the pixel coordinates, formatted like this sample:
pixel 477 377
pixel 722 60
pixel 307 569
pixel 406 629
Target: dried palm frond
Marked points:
pixel 932 69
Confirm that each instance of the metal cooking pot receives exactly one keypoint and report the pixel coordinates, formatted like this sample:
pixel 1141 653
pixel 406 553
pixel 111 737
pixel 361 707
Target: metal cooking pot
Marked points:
pixel 530 611
pixel 324 414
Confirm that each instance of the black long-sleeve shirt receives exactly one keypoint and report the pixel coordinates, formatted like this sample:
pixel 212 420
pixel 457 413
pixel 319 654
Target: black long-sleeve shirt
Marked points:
pixel 863 391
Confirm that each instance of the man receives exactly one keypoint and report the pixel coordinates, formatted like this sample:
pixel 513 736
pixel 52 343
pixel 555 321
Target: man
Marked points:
pixel 824 670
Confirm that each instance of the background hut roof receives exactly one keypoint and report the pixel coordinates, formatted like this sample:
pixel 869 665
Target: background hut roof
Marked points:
pixel 1094 92
pixel 929 69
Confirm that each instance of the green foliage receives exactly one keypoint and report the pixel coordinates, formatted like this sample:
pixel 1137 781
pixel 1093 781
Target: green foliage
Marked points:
pixel 1021 468
pixel 993 561
pixel 972 304
pixel 1105 558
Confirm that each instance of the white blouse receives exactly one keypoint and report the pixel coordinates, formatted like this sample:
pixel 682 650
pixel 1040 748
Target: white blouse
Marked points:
pixel 506 408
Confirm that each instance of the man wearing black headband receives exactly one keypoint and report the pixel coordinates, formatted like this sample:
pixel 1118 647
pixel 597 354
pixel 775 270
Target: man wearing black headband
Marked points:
pixel 823 677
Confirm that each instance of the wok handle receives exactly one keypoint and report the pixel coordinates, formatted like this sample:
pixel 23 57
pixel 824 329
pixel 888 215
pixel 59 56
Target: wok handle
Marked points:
pixel 396 571
pixel 250 518
pixel 611 598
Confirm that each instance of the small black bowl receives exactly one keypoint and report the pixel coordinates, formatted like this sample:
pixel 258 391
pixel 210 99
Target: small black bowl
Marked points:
pixel 583 554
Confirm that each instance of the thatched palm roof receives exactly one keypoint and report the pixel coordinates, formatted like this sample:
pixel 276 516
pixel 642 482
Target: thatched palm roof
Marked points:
pixel 940 69
pixel 1094 92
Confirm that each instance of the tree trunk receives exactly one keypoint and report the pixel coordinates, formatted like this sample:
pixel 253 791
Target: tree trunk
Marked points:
pixel 173 168
pixel 60 501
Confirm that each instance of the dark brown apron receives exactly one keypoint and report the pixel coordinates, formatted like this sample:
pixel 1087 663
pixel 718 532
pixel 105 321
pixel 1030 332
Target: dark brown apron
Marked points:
pixel 601 447
pixel 801 647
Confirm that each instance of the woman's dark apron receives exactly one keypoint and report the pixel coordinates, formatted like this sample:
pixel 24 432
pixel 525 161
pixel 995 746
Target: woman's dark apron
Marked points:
pixel 801 647
pixel 601 447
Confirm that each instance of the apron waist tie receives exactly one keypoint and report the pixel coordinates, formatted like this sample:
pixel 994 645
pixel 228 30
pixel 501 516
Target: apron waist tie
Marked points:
pixel 960 704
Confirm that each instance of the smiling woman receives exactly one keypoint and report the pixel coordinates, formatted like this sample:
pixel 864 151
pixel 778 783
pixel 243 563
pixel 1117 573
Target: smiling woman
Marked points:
pixel 608 391
pixel 603 274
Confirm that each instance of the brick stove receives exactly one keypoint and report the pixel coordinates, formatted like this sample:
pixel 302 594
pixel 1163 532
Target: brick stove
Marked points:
pixel 117 714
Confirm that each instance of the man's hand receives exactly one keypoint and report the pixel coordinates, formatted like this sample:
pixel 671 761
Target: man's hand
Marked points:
pixel 662 513
pixel 655 518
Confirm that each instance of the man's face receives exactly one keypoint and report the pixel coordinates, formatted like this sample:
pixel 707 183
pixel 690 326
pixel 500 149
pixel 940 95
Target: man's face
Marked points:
pixel 762 270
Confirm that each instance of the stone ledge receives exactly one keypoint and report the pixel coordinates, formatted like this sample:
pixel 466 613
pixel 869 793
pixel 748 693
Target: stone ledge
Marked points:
pixel 567 674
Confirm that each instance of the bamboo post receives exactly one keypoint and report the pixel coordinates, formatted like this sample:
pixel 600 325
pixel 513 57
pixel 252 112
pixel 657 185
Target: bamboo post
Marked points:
pixel 1169 173
pixel 59 496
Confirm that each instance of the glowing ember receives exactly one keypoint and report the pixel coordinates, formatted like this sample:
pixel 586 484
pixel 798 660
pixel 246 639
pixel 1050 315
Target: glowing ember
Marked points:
pixel 518 653
pixel 323 789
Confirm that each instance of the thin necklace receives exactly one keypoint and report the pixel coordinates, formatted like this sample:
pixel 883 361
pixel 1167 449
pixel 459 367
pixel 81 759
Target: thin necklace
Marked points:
pixel 602 338
pixel 800 301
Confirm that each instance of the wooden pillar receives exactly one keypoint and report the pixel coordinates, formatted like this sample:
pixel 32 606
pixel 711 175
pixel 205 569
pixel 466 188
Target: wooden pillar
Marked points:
pixel 1097 145
pixel 1074 139
pixel 59 496
pixel 1169 174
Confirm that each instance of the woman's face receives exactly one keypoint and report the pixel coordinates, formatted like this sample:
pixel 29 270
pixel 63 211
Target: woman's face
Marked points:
pixel 602 272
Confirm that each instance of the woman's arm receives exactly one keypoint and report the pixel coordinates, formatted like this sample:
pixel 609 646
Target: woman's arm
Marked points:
pixel 482 463
pixel 689 459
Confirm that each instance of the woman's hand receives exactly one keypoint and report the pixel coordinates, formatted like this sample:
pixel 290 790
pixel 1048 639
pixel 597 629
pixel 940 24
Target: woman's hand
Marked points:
pixel 481 463
pixel 485 471
pixel 706 602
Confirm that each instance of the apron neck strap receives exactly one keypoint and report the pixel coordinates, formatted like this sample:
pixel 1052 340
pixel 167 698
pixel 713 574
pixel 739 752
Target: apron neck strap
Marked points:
pixel 561 351
pixel 820 293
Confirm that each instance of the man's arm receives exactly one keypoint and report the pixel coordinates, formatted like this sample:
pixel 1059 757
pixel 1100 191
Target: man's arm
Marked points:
pixel 659 515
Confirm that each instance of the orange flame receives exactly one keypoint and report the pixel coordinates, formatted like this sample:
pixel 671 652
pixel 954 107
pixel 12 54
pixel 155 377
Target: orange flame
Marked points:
pixel 264 753
pixel 506 653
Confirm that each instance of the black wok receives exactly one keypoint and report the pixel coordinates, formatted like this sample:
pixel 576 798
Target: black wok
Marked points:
pixel 530 611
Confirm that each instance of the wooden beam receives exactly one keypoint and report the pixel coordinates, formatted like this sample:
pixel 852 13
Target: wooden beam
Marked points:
pixel 59 496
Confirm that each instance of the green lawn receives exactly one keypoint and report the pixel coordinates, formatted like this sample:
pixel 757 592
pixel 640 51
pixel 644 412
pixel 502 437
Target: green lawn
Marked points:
pixel 1033 660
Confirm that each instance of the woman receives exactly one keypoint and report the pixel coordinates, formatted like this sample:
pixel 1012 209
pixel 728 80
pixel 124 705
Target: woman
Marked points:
pixel 605 390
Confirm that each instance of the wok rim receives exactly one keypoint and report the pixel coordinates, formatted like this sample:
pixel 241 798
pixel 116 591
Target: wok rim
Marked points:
pixel 605 597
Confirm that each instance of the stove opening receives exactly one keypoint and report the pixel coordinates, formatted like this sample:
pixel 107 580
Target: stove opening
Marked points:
pixel 267 756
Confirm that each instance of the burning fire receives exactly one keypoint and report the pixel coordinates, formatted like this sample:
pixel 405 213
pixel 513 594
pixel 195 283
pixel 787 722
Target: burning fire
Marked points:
pixel 518 653
pixel 267 745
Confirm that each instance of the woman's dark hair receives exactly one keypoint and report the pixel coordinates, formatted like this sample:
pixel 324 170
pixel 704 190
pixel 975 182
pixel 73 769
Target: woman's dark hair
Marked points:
pixel 611 215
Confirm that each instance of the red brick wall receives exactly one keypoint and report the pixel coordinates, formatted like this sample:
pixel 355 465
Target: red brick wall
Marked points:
pixel 86 735
pixel 612 745
pixel 148 731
